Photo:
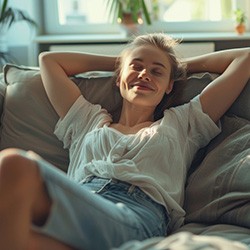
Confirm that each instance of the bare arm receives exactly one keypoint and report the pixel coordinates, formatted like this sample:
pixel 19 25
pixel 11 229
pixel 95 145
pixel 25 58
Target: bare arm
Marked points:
pixel 56 67
pixel 234 67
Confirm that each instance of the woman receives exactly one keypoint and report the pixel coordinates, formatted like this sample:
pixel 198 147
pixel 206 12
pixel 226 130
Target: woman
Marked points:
pixel 126 179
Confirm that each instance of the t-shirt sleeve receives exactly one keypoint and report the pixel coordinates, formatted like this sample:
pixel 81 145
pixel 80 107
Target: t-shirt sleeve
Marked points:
pixel 195 128
pixel 205 128
pixel 81 118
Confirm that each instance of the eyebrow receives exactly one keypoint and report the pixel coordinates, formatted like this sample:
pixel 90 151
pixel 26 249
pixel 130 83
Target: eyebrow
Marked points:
pixel 155 63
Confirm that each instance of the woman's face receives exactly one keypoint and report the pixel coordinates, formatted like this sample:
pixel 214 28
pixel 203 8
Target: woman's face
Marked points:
pixel 145 76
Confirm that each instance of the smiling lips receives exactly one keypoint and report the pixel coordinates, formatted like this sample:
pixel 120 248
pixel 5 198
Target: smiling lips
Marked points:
pixel 142 86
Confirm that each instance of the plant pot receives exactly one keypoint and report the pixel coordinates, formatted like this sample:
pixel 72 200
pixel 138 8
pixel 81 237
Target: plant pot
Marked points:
pixel 129 26
pixel 240 28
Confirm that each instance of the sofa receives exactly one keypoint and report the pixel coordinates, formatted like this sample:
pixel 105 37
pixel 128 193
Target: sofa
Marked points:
pixel 217 194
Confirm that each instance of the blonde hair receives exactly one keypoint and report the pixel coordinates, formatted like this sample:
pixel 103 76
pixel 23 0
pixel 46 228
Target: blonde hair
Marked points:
pixel 163 42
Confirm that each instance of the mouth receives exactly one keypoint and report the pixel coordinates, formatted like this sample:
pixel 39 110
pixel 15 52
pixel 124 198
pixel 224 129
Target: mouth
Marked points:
pixel 142 86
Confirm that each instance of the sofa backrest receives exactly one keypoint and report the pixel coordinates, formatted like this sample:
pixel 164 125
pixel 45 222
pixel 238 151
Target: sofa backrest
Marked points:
pixel 28 119
pixel 219 183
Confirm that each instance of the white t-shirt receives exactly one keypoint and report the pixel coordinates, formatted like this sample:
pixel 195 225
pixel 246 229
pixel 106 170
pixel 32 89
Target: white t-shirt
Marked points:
pixel 156 158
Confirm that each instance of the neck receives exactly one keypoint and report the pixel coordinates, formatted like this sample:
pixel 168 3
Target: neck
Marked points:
pixel 132 115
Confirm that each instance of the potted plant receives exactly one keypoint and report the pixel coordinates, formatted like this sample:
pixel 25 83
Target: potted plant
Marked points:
pixel 129 13
pixel 240 18
pixel 9 16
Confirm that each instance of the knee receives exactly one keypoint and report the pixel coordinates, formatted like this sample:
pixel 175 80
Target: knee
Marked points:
pixel 16 167
pixel 12 159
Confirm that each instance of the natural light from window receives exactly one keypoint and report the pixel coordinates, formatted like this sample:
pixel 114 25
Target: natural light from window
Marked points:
pixel 85 16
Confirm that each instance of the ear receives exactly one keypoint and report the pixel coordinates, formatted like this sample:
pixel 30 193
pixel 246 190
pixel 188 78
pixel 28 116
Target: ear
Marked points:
pixel 170 87
pixel 118 81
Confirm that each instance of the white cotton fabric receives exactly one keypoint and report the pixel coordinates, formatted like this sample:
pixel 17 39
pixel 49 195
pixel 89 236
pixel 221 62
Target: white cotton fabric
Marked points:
pixel 184 241
pixel 156 158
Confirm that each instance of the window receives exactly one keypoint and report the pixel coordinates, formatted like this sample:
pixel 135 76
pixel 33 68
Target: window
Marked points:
pixel 191 10
pixel 85 16
pixel 79 12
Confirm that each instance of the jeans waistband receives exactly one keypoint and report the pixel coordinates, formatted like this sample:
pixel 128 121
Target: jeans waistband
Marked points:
pixel 101 185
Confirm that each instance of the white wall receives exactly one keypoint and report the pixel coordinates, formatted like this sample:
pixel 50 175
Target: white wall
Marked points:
pixel 20 35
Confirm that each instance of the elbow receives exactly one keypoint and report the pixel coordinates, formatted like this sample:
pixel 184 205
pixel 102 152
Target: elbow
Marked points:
pixel 246 57
pixel 43 56
pixel 248 50
pixel 246 53
pixel 248 62
pixel 48 61
pixel 242 57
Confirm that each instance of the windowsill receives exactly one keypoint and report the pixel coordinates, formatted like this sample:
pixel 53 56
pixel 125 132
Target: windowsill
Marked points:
pixel 86 38
pixel 110 38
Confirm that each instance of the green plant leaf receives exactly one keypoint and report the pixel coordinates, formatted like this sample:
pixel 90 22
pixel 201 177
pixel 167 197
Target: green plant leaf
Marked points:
pixel 3 8
pixel 145 11
pixel 9 16
pixel 116 9
pixel 240 16
pixel 112 8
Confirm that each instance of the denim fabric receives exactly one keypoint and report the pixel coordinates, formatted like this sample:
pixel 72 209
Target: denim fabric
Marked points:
pixel 99 214
pixel 130 195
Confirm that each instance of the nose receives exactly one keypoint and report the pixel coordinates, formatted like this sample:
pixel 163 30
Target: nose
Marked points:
pixel 144 75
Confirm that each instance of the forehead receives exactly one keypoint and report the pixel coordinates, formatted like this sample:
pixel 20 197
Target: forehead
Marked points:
pixel 149 54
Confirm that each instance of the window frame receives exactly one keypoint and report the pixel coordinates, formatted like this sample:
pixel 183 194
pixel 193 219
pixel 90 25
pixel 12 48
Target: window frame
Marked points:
pixel 52 25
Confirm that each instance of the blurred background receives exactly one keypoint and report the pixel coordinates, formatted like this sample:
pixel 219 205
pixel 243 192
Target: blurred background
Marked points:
pixel 94 23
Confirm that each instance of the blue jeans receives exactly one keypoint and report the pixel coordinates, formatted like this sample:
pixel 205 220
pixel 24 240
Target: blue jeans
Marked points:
pixel 100 213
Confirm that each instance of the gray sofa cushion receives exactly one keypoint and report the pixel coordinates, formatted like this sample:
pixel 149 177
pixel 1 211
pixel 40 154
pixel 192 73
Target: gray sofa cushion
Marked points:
pixel 184 91
pixel 2 93
pixel 29 119
pixel 218 191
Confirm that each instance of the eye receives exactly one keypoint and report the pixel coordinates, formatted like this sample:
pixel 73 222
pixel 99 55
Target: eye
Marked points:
pixel 136 67
pixel 156 72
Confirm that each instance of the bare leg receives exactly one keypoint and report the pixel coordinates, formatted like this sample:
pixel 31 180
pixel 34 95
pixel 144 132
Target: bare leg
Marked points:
pixel 23 200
